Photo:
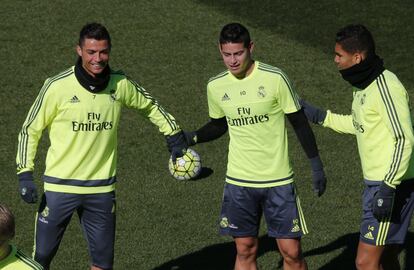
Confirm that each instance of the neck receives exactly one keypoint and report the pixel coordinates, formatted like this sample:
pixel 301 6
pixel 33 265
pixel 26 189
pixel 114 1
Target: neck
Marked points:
pixel 4 251
pixel 91 82
pixel 363 74
pixel 249 69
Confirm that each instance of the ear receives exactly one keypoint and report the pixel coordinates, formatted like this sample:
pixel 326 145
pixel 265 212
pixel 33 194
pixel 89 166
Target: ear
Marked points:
pixel 251 46
pixel 79 50
pixel 358 57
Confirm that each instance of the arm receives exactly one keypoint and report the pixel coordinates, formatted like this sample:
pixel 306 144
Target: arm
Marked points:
pixel 214 129
pixel 290 104
pixel 337 122
pixel 39 117
pixel 135 96
pixel 395 113
pixel 307 140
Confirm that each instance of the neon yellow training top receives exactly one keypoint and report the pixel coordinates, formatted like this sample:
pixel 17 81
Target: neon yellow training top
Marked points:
pixel 382 124
pixel 255 109
pixel 82 128
pixel 17 260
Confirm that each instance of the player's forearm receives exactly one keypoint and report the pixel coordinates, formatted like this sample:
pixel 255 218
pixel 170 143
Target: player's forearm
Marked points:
pixel 304 133
pixel 165 122
pixel 339 123
pixel 214 129
pixel 26 152
pixel 401 165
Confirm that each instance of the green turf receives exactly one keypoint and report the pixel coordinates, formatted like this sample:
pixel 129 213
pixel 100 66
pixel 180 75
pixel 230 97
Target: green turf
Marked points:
pixel 170 48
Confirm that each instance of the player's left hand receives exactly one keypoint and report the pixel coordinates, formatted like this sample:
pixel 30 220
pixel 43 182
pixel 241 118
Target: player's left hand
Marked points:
pixel 177 145
pixel 383 202
pixel 318 176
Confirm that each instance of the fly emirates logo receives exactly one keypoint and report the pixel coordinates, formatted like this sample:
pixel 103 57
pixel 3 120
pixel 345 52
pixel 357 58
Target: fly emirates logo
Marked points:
pixel 246 118
pixel 93 124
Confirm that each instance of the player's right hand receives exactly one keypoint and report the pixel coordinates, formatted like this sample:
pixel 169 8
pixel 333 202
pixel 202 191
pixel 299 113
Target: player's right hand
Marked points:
pixel 177 145
pixel 27 187
pixel 314 114
pixel 318 176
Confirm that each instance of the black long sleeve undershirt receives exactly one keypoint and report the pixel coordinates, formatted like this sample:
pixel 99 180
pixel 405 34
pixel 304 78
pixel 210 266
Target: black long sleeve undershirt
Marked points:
pixel 303 132
pixel 214 129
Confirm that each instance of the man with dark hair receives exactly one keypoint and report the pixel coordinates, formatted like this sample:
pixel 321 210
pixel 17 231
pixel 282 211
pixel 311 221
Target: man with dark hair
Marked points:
pixel 381 122
pixel 251 100
pixel 81 108
pixel 12 258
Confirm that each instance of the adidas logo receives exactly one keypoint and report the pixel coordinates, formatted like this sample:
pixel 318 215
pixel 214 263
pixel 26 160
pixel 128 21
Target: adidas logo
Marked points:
pixel 369 235
pixel 295 228
pixel 75 99
pixel 225 97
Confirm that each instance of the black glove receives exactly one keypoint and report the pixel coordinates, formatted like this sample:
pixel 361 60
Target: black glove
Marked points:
pixel 318 176
pixel 190 137
pixel 177 145
pixel 314 114
pixel 27 187
pixel 383 202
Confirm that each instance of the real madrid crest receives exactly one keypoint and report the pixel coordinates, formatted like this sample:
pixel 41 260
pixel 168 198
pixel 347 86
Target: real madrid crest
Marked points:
pixel 261 92
pixel 224 223
pixel 45 212
pixel 112 96
pixel 362 100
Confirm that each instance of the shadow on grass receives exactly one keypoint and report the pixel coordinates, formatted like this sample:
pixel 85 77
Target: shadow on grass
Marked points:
pixel 214 257
pixel 205 172
pixel 349 243
pixel 221 256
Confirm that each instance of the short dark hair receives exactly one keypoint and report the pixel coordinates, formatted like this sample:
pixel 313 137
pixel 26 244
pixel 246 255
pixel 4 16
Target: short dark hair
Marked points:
pixel 356 38
pixel 234 33
pixel 95 31
pixel 7 225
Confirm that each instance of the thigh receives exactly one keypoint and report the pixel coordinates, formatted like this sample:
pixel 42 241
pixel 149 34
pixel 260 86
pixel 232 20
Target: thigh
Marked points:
pixel 241 211
pixel 97 217
pixel 283 213
pixel 52 218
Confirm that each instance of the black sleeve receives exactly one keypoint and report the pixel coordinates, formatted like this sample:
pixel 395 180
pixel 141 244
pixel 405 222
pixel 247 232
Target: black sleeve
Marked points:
pixel 303 132
pixel 212 130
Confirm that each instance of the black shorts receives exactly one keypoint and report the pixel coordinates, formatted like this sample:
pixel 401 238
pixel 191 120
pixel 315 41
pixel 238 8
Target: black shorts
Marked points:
pixel 242 209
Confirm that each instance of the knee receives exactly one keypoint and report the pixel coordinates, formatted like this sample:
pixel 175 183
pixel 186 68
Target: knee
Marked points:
pixel 246 250
pixel 292 255
pixel 362 262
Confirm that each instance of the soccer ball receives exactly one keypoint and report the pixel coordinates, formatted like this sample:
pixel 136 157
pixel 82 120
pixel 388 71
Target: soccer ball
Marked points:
pixel 186 167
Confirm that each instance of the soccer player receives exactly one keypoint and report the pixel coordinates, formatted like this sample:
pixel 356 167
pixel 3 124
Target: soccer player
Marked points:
pixel 81 107
pixel 251 100
pixel 381 122
pixel 11 258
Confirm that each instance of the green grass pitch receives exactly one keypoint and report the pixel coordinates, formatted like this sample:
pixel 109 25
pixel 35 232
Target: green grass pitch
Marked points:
pixel 170 48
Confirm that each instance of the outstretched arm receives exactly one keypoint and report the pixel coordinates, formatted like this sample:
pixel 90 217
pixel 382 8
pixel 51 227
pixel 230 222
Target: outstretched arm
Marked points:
pixel 337 122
